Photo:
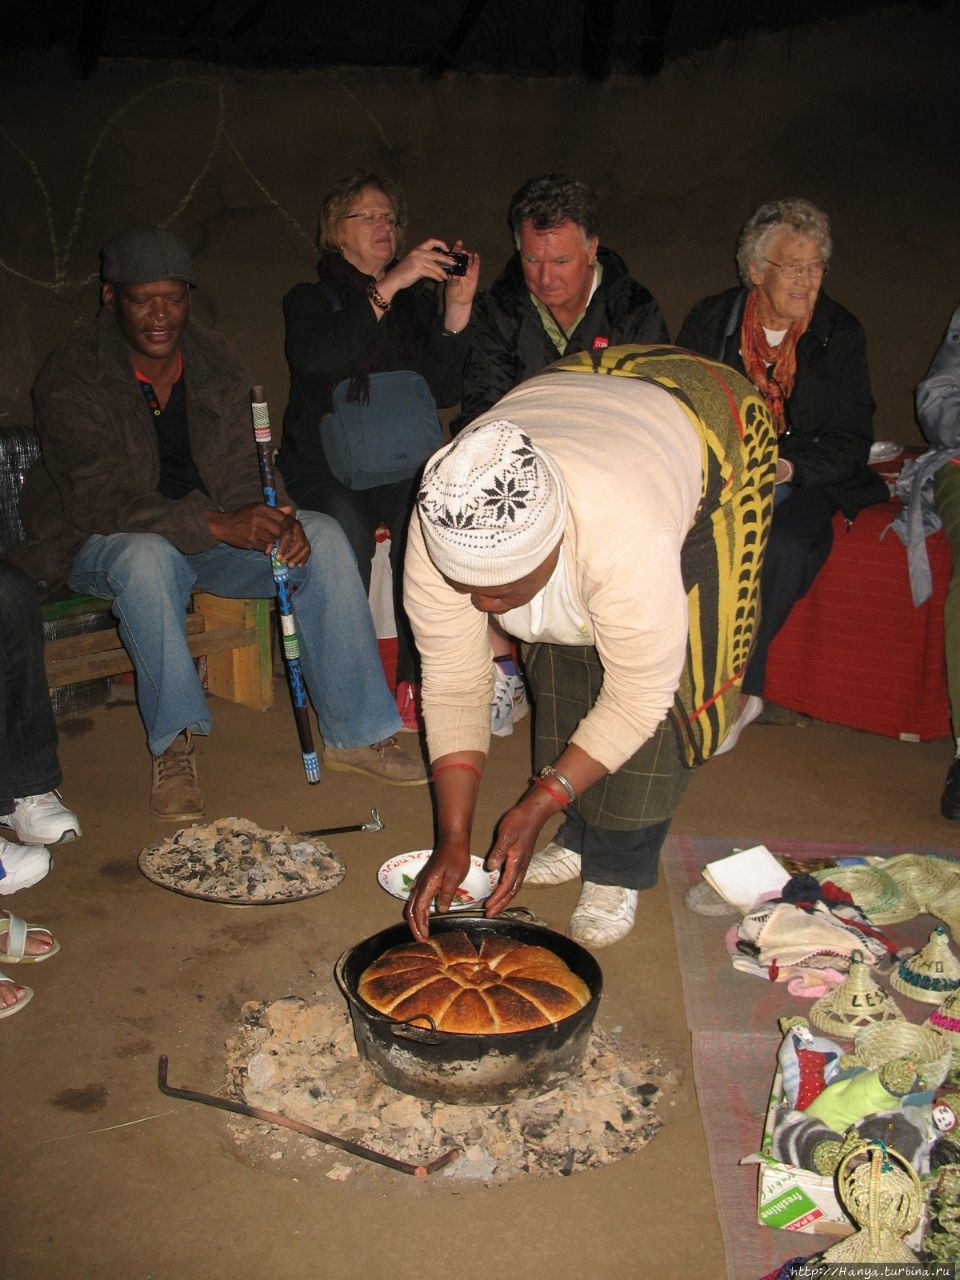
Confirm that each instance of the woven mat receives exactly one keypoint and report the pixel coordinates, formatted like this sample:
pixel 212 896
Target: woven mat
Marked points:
pixel 733 1023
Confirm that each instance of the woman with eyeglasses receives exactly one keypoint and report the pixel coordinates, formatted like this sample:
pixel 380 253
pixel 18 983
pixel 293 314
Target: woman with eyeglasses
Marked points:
pixel 372 311
pixel 807 356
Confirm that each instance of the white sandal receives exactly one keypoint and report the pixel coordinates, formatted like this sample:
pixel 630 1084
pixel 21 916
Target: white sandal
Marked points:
pixel 8 1009
pixel 16 931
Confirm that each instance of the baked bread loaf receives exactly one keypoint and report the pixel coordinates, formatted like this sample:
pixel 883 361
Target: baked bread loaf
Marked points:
pixel 445 983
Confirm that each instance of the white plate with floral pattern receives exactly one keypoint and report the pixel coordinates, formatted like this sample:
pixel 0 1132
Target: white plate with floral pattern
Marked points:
pixel 398 874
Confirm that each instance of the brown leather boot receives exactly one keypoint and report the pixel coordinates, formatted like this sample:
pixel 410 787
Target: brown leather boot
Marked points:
pixel 175 792
pixel 383 760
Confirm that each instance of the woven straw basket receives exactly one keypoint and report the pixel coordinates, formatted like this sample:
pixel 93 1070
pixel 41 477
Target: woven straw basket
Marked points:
pixel 927 1049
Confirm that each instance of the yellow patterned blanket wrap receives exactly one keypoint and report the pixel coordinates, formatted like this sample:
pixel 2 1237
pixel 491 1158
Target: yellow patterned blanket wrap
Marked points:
pixel 723 550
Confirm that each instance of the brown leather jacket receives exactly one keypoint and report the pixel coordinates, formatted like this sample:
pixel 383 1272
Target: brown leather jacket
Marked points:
pixel 100 466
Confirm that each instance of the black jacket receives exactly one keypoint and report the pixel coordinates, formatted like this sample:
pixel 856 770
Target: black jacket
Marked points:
pixel 509 343
pixel 830 414
pixel 332 333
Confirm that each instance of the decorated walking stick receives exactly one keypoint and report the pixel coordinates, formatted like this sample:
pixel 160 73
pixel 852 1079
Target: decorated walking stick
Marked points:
pixel 291 647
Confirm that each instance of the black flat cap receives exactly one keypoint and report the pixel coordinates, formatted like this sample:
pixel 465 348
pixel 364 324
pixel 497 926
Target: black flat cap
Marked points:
pixel 144 254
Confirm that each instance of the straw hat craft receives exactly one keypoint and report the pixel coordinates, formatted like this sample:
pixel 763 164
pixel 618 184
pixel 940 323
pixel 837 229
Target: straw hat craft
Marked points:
pixel 946 1019
pixel 932 883
pixel 856 1003
pixel 873 890
pixel 931 974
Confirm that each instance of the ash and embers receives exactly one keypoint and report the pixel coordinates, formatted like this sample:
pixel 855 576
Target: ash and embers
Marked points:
pixel 301 1060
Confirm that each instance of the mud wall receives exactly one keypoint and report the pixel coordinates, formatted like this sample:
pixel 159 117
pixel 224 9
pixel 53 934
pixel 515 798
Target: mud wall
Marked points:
pixel 857 114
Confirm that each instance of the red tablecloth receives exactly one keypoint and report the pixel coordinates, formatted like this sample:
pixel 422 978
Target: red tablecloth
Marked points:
pixel 855 651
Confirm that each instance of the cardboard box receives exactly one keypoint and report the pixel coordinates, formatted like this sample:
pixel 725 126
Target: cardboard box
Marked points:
pixel 794 1199
pixel 789 1198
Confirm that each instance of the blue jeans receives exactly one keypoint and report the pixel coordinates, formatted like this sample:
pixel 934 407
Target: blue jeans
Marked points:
pixel 149 582
pixel 28 734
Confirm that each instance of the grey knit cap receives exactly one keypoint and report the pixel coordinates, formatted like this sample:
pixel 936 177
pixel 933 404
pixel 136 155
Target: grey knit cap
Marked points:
pixel 492 506
pixel 145 254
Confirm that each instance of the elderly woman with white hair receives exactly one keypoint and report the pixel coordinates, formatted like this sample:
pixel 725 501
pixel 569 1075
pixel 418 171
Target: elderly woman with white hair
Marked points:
pixel 807 357
pixel 611 513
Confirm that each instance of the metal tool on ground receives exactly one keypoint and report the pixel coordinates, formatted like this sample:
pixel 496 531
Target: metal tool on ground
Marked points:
pixel 375 824
pixel 331 1140
pixel 291 646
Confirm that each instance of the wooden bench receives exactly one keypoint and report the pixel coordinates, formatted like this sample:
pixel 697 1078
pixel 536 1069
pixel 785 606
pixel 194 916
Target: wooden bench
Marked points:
pixel 231 638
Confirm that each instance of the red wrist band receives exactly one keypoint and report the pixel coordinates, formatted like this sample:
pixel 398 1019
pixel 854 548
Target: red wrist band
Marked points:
pixel 562 801
pixel 456 764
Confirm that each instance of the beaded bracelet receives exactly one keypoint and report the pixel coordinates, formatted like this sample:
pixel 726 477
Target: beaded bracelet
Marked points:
pixel 456 764
pixel 377 298
pixel 548 771
pixel 562 801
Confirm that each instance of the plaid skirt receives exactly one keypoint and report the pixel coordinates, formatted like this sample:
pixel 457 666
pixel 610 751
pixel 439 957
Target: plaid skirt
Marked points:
pixel 565 681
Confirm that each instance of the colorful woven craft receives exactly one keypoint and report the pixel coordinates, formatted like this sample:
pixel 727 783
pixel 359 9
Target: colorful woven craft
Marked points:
pixel 931 974
pixel 946 1020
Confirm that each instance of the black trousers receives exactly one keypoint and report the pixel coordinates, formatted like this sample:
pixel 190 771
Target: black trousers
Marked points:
pixel 28 732
pixel 801 535
pixel 627 859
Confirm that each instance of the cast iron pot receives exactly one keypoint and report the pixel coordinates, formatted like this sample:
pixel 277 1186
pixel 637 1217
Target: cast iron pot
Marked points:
pixel 470 1069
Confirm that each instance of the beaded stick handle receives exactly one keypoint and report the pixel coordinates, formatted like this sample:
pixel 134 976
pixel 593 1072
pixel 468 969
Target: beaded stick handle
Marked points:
pixel 291 646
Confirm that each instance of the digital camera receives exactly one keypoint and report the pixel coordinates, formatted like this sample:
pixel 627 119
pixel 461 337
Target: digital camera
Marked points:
pixel 458 267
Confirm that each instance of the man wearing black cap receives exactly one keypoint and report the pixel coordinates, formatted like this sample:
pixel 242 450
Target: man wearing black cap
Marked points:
pixel 149 489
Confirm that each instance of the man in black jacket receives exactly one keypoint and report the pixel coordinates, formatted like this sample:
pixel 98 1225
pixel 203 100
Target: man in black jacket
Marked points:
pixel 561 293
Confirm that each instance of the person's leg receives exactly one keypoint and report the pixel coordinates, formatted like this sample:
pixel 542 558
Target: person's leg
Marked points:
pixel 612 836
pixel 946 495
pixel 627 859
pixel 338 646
pixel 149 582
pixel 801 535
pixel 28 733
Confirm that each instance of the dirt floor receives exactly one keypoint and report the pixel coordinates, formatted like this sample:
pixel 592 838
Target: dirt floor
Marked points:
pixel 104 1177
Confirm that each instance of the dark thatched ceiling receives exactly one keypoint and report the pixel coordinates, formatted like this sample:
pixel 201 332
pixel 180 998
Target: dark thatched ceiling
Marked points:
pixel 522 37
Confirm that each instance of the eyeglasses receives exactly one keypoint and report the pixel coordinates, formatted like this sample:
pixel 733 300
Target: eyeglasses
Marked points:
pixel 794 270
pixel 375 215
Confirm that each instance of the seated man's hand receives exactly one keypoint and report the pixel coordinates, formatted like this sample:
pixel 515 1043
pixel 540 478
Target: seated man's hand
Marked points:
pixel 257 527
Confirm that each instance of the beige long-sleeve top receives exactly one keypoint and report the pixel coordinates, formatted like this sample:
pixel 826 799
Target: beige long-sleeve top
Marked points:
pixel 632 466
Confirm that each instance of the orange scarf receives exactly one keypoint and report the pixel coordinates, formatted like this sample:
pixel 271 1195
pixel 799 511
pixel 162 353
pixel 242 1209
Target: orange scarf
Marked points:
pixel 772 370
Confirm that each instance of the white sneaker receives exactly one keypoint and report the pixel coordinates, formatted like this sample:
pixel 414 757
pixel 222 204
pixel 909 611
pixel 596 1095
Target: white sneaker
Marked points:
pixel 42 820
pixel 604 914
pixel 509 702
pixel 751 709
pixel 553 865
pixel 21 866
